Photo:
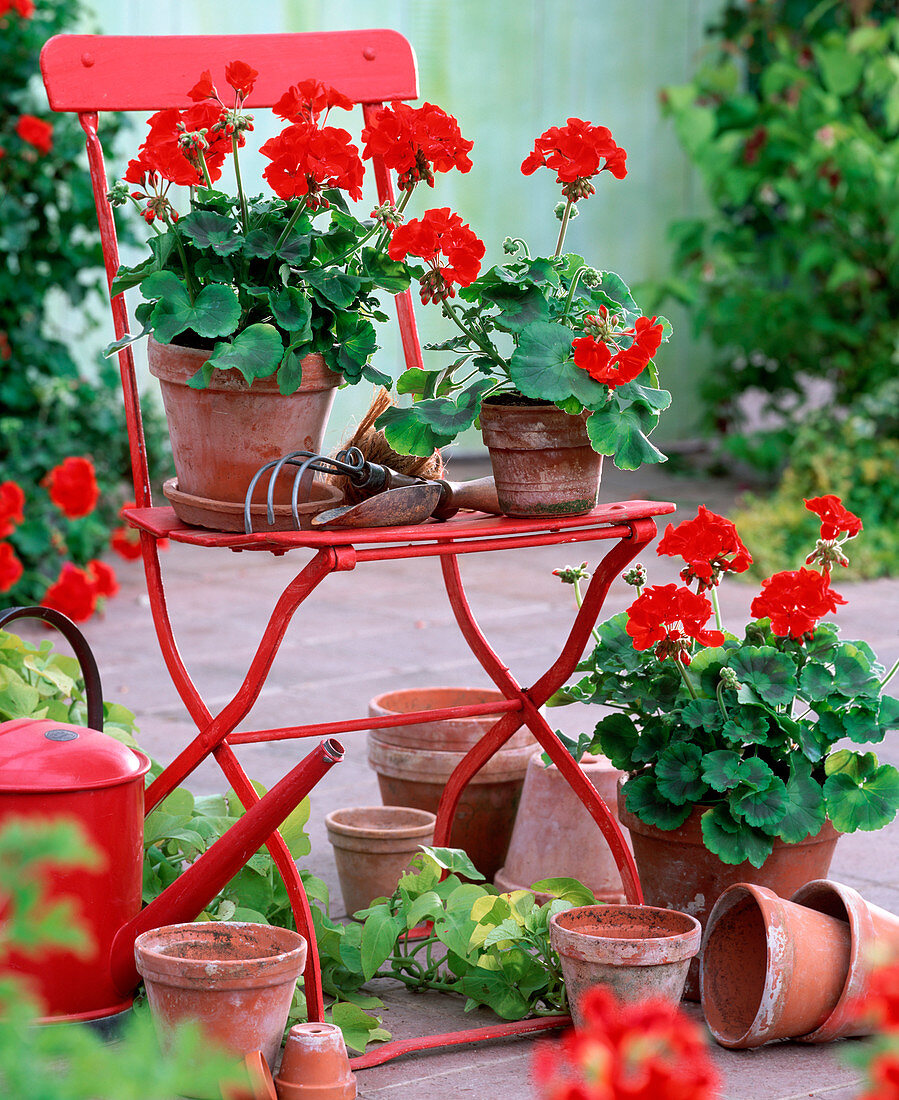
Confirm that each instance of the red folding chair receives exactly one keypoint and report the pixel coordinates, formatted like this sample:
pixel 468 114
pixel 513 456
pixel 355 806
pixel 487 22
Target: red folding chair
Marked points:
pixel 89 74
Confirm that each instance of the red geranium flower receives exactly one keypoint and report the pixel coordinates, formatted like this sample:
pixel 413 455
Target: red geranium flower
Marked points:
pixel 595 357
pixel 880 1005
pixel 416 142
pixel 794 601
pixel 443 241
pixel 73 487
pixel 576 153
pixel 74 593
pixel 10 567
pixel 241 77
pixel 162 152
pixel 36 132
pixel 12 504
pixel 25 8
pixel 103 577
pixel 834 517
pixel 307 158
pixel 204 88
pixel 666 616
pixel 710 546
pixel 308 100
pixel 126 543
pixel 883 1073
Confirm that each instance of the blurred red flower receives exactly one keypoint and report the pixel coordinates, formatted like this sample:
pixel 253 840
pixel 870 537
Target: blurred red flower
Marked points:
pixel 25 8
pixel 10 567
pixel 36 132
pixel 12 503
pixel 73 487
pixel 103 577
pixel 74 593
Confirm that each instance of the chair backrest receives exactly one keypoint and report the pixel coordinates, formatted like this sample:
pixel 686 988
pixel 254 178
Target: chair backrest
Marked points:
pixel 87 74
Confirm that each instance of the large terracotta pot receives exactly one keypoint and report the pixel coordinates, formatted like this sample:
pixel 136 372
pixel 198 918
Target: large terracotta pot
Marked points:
pixel 636 950
pixel 414 763
pixel 542 459
pixel 222 434
pixel 555 835
pixel 677 871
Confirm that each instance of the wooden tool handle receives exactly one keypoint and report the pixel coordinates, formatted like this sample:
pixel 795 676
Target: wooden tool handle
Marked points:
pixel 478 495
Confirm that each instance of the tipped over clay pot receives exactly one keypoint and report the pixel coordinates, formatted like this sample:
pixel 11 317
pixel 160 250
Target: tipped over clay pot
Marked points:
pixel 770 969
pixel 373 846
pixel 636 950
pixel 315 1065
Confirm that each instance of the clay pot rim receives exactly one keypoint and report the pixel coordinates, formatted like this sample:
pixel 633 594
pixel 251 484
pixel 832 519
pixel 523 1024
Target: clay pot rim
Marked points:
pixel 153 959
pixel 678 946
pixel 378 705
pixel 435 766
pixel 406 832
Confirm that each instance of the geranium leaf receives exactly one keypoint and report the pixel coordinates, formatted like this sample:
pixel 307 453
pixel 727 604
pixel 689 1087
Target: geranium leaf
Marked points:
pixel 408 433
pixel 866 804
pixel 720 769
pixel 214 312
pixel 449 417
pixel 747 724
pixel 812 740
pixel 853 676
pixel 537 366
pixel 857 765
pixel 519 306
pixel 678 774
pixel 618 737
pixel 255 352
pixel 622 434
pixel 335 287
pixel 888 715
pixel 704 714
pixel 260 243
pixel 734 842
pixel 763 808
pixel 417 381
pixel 653 399
pixel 614 288
pixel 859 724
pixel 815 681
pixel 209 230
pixel 357 342
pixel 643 798
pixel 376 377
pixel 755 773
pixel 768 672
pixel 290 373
pixel 293 311
pixel 804 812
pixel 389 275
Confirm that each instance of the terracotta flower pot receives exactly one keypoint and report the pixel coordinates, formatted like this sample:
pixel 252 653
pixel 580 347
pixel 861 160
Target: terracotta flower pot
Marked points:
pixel 770 969
pixel 555 836
pixel 236 979
pixel 636 950
pixel 677 871
pixel 222 434
pixel 872 929
pixel 542 459
pixel 414 762
pixel 372 848
pixel 315 1065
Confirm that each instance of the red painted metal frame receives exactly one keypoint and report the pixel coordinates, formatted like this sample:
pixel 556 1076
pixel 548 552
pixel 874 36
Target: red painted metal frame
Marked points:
pixel 88 74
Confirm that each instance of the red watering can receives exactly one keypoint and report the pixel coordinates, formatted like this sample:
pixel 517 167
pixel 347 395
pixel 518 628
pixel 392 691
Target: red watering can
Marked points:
pixel 52 771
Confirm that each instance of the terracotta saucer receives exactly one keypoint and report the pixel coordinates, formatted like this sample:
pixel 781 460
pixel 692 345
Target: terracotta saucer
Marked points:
pixel 227 515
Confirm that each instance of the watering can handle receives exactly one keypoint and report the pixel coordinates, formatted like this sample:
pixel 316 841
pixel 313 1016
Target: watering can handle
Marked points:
pixel 92 689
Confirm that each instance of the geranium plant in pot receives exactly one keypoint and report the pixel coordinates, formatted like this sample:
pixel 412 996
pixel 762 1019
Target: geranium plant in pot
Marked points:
pixel 273 296
pixel 731 742
pixel 548 344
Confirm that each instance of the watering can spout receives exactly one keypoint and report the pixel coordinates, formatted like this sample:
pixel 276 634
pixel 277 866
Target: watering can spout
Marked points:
pixel 198 885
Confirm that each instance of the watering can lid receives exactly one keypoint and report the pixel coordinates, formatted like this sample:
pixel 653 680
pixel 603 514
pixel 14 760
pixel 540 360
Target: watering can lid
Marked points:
pixel 54 756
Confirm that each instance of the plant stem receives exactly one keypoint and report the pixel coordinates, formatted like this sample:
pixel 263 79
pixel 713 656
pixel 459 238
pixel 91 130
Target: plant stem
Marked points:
pixel 574 282
pixel 482 343
pixel 681 668
pixel 890 674
pixel 578 599
pixel 713 592
pixel 244 213
pixel 206 175
pixel 719 692
pixel 189 285
pixel 563 228
pixel 401 206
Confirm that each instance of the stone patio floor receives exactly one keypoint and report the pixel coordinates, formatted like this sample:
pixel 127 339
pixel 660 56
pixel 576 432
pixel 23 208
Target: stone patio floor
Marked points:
pixel 388 625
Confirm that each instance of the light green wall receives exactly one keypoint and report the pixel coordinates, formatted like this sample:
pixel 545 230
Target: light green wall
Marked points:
pixel 508 69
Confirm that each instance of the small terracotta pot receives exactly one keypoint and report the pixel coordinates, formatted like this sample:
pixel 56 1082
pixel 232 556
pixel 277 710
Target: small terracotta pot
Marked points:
pixel 542 459
pixel 222 434
pixel 872 930
pixel 373 846
pixel 636 950
pixel 413 766
pixel 555 836
pixel 677 871
pixel 315 1065
pixel 236 979
pixel 770 969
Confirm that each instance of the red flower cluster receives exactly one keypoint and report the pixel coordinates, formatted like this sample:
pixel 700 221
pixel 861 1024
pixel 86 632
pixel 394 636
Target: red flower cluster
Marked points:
pixel 73 487
pixel 125 541
pixel 644 1051
pixel 443 241
pixel 668 617
pixel 308 100
pixel 25 8
pixel 10 567
pixel 794 601
pixel 576 153
pixel 12 504
pixel 240 75
pixel 417 142
pixel 710 546
pixel 76 591
pixel 36 132
pixel 597 359
pixel 306 158
pixel 164 154
pixel 880 1007
pixel 835 519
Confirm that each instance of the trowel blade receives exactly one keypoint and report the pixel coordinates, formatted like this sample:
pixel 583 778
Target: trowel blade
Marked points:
pixel 393 508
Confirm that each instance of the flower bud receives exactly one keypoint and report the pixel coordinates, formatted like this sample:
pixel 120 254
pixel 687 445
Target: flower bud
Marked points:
pixel 571 574
pixel 729 678
pixel 117 195
pixel 635 576
pixel 559 211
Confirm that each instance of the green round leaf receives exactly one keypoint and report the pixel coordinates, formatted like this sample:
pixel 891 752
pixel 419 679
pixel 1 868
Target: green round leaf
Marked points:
pixel 721 769
pixel 255 352
pixel 768 673
pixel 734 842
pixel 804 812
pixel 763 808
pixel 643 798
pixel 866 804
pixel 679 774
pixel 536 366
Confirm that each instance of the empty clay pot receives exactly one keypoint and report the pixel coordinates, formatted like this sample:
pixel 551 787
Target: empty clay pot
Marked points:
pixel 636 950
pixel 770 969
pixel 555 836
pixel 315 1065
pixel 373 846
pixel 872 930
pixel 414 763
pixel 236 979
